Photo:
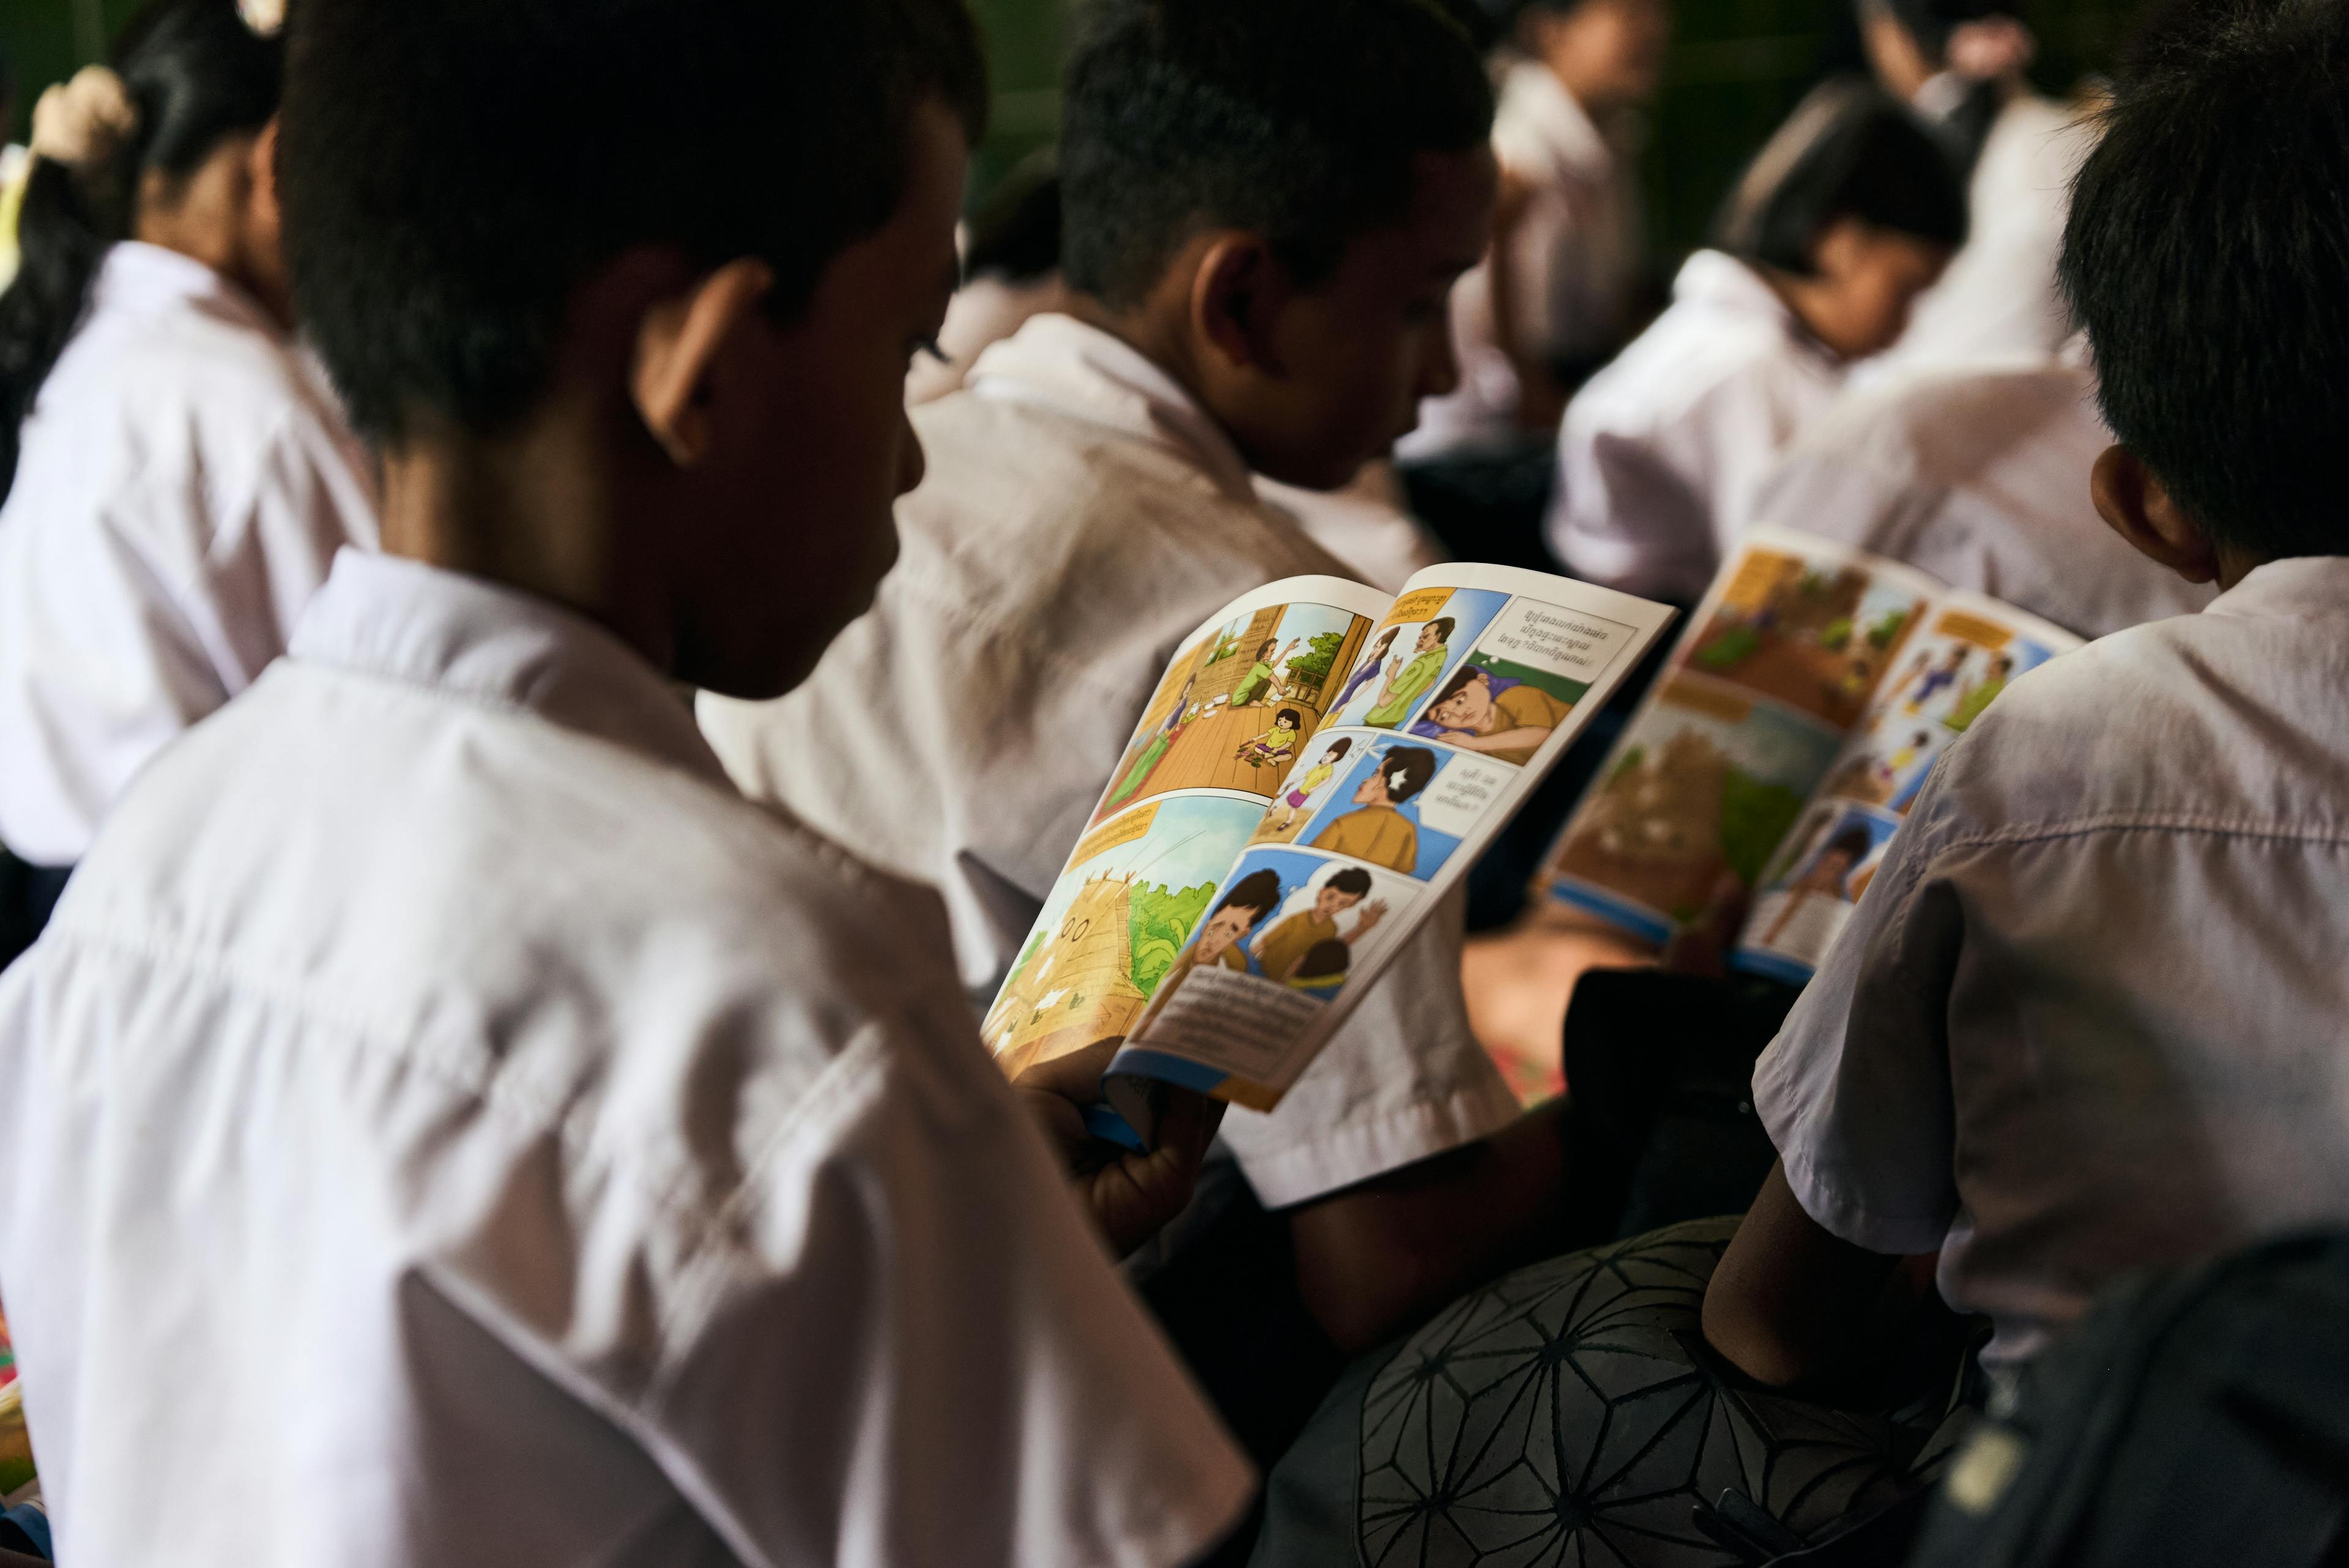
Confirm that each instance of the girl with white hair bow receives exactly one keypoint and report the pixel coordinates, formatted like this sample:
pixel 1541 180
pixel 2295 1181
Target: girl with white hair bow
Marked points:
pixel 176 479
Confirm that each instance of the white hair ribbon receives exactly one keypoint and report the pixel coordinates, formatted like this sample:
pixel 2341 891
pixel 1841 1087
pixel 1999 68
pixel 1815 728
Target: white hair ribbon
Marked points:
pixel 85 121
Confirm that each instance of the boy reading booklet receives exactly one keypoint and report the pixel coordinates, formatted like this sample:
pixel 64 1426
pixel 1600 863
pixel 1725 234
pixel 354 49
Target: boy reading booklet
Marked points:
pixel 1264 210
pixel 445 1124
pixel 2088 1018
pixel 1812 694
pixel 1239 1002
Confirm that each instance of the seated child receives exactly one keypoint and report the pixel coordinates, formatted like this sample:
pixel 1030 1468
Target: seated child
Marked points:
pixel 1301 788
pixel 2088 1018
pixel 1845 217
pixel 1276 745
pixel 1378 833
pixel 1979 476
pixel 444 1122
pixel 180 479
pixel 1264 208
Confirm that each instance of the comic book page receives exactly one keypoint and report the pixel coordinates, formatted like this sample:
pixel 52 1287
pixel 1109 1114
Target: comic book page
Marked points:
pixel 1775 671
pixel 1467 688
pixel 1244 700
pixel 1967 651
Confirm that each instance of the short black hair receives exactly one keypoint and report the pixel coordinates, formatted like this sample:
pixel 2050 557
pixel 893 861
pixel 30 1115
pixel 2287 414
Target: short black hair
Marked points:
pixel 1295 119
pixel 1848 150
pixel 1291 714
pixel 1416 764
pixel 451 170
pixel 1462 678
pixel 2208 259
pixel 1353 879
pixel 1258 890
pixel 1327 956
pixel 1444 627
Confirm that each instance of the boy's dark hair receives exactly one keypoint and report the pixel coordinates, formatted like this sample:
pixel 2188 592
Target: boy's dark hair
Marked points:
pixel 1297 121
pixel 1352 880
pixel 198 76
pixel 1460 681
pixel 1258 890
pixel 1444 627
pixel 1852 843
pixel 2208 257
pixel 1416 763
pixel 452 169
pixel 1848 150
pixel 1326 957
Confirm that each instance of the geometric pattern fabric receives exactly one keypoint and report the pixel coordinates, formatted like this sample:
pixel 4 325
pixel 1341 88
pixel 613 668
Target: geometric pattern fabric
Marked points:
pixel 1571 1415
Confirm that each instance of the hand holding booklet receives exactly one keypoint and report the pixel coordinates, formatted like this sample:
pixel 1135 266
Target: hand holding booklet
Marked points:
pixel 1318 765
pixel 1782 744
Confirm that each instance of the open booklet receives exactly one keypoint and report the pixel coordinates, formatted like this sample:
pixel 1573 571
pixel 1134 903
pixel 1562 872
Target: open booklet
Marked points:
pixel 1317 767
pixel 1784 740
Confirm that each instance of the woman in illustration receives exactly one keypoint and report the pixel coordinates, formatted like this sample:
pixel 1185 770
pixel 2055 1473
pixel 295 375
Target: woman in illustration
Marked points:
pixel 1147 762
pixel 1367 670
pixel 1826 878
pixel 1405 686
pixel 1980 694
pixel 1276 745
pixel 1262 681
pixel 1301 789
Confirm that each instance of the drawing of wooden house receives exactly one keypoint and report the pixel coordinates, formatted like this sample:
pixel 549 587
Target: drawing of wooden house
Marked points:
pixel 1078 987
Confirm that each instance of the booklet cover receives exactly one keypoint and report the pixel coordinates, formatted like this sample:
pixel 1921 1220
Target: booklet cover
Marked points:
pixel 1318 765
pixel 1784 743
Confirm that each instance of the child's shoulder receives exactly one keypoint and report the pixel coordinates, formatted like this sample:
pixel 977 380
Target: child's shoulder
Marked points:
pixel 1693 355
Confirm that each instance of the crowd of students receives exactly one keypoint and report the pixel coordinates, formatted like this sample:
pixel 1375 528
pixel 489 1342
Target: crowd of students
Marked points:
pixel 462 1100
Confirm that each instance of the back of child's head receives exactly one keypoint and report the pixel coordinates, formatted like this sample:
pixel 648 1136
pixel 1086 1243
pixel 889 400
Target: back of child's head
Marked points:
pixel 452 169
pixel 1848 150
pixel 194 75
pixel 2208 257
pixel 1298 120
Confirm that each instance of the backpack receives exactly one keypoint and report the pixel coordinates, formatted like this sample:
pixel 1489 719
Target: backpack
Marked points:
pixel 2196 1416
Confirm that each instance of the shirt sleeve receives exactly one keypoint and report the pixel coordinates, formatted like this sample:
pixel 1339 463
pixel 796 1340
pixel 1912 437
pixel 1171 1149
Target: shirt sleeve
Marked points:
pixel 1402 1081
pixel 1856 1090
pixel 271 550
pixel 905 1345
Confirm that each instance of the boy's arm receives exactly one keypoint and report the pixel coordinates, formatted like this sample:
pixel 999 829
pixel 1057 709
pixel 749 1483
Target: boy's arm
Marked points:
pixel 1794 1306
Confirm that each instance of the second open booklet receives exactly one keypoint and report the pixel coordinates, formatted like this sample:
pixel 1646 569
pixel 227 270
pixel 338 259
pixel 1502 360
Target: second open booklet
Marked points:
pixel 1317 767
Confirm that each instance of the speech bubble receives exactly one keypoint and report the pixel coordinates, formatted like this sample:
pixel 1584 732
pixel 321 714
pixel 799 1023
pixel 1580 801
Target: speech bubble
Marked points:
pixel 1464 795
pixel 1424 605
pixel 1134 825
pixel 1568 642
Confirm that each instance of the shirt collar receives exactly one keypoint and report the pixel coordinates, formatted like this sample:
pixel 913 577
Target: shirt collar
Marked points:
pixel 1537 111
pixel 468 637
pixel 1058 362
pixel 2301 588
pixel 138 279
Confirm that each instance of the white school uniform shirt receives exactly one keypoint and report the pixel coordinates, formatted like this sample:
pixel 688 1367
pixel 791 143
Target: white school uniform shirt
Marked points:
pixel 1663 454
pixel 1367 526
pixel 445 1125
pixel 1999 297
pixel 1575 253
pixel 1979 475
pixel 2091 1016
pixel 182 483
pixel 1083 517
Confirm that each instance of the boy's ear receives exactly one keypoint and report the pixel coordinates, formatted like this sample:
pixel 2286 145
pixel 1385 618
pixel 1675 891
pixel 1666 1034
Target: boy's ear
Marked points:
pixel 679 344
pixel 1235 298
pixel 2138 507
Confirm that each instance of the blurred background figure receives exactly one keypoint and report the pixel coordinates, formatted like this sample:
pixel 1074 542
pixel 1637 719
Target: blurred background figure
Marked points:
pixel 1961 63
pixel 16 163
pixel 177 476
pixel 1010 269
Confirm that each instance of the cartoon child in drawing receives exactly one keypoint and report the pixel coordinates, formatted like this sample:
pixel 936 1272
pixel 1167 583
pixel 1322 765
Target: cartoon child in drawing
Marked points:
pixel 1404 684
pixel 1319 774
pixel 1367 670
pixel 1828 877
pixel 1378 833
pixel 1506 719
pixel 1168 734
pixel 1217 944
pixel 1276 745
pixel 1937 680
pixel 1981 694
pixel 1283 950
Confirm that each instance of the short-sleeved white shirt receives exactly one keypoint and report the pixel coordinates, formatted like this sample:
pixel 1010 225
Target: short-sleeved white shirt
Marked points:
pixel 184 481
pixel 1663 454
pixel 445 1125
pixel 2092 1016
pixel 1980 476
pixel 1082 517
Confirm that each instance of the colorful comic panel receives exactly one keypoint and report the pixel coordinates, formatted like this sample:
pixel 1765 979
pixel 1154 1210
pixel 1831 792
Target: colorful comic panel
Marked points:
pixel 1807 897
pixel 1422 638
pixel 1816 633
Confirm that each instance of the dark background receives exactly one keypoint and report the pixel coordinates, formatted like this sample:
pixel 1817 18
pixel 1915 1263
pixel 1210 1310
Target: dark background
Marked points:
pixel 1737 66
